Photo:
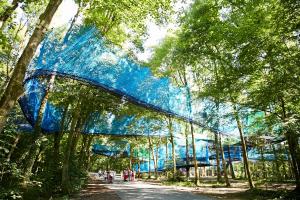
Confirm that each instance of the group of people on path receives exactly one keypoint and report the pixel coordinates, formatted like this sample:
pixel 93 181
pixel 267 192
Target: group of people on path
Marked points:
pixel 109 176
pixel 128 175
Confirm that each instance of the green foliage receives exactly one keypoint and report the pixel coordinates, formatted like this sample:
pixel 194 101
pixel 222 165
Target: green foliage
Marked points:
pixel 125 19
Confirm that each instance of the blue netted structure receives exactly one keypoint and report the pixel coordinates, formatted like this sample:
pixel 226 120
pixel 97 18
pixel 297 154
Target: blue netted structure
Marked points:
pixel 110 150
pixel 86 56
pixel 82 54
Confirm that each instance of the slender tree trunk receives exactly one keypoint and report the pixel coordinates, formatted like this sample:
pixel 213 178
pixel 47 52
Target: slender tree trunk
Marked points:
pixel 31 157
pixel 167 157
pixel 292 140
pixel 82 150
pixel 244 150
pixel 88 152
pixel 34 150
pixel 282 159
pixel 8 12
pixel 149 157
pixel 173 147
pixel 263 162
pixel 76 137
pixel 230 163
pixel 130 157
pixel 276 160
pixel 187 152
pixel 35 167
pixel 292 148
pixel 139 168
pixel 57 138
pixel 14 88
pixel 66 185
pixel 224 162
pixel 154 160
pixel 66 162
pixel 218 157
pixel 290 164
pixel 13 147
pixel 194 155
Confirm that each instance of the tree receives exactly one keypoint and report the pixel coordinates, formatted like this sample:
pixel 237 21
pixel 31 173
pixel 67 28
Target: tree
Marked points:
pixel 14 88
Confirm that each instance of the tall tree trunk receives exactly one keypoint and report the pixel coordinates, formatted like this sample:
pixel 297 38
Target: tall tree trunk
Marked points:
pixel 156 158
pixel 217 157
pixel 194 155
pixel 167 157
pixel 244 148
pixel 230 162
pixel 153 157
pixel 82 150
pixel 149 157
pixel 14 88
pixel 13 147
pixel 34 150
pixel 292 140
pixel 292 143
pixel 224 162
pixel 66 162
pixel 130 157
pixel 187 152
pixel 76 137
pixel 57 137
pixel 276 160
pixel 88 152
pixel 262 157
pixel 139 168
pixel 173 147
pixel 8 12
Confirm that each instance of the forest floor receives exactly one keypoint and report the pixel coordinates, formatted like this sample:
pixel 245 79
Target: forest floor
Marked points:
pixel 95 190
pixel 239 189
pixel 153 189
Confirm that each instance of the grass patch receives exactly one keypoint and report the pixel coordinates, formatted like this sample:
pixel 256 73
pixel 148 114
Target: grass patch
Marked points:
pixel 179 183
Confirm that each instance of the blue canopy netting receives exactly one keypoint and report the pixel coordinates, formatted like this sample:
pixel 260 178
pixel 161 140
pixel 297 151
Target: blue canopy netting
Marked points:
pixel 84 55
pixel 205 154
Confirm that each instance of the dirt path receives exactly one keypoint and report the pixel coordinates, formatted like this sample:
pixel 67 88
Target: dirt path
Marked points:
pixel 96 190
pixel 137 190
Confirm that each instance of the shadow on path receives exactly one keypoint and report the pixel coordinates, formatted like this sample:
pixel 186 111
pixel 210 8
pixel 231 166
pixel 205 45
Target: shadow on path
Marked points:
pixel 95 190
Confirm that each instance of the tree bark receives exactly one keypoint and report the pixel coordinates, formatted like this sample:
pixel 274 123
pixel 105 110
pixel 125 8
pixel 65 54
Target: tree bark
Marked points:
pixel 82 150
pixel 244 150
pixel 14 88
pixel 34 150
pixel 156 158
pixel 149 157
pixel 13 147
pixel 130 157
pixel 292 140
pixel 217 157
pixel 196 181
pixel 139 168
pixel 8 12
pixel 173 147
pixel 276 160
pixel 230 163
pixel 66 162
pixel 187 152
pixel 224 163
pixel 88 152
pixel 57 138
pixel 262 157
pixel 153 157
